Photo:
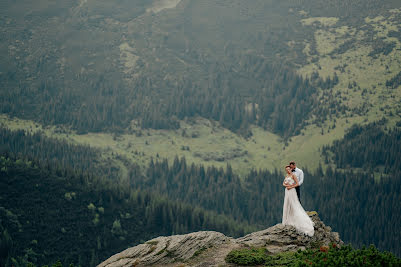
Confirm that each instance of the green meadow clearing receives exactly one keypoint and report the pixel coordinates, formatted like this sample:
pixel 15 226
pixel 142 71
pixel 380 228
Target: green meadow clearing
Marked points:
pixel 361 87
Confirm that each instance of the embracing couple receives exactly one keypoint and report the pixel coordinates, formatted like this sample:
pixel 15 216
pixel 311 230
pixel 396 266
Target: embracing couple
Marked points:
pixel 293 212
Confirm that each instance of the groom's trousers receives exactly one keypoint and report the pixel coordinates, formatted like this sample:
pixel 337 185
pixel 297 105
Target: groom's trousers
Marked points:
pixel 298 193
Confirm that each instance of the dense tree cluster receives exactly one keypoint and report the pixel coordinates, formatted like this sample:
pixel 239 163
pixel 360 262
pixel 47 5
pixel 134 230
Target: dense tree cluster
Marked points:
pixel 351 11
pixel 395 81
pixel 274 97
pixel 83 220
pixel 50 152
pixel 368 147
pixel 381 47
pixel 356 198
pixel 320 256
pixel 255 200
pixel 240 80
pixel 361 208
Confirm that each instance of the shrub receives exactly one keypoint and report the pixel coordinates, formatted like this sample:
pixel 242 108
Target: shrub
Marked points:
pixel 323 256
pixel 346 256
pixel 247 256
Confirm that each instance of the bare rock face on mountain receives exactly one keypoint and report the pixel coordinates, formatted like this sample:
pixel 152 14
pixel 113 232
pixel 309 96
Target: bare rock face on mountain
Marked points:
pixel 208 248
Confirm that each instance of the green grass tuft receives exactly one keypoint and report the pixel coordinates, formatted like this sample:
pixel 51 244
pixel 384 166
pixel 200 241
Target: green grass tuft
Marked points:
pixel 247 256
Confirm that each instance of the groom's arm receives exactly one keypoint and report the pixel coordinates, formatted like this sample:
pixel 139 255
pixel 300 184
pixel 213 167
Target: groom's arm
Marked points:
pixel 301 177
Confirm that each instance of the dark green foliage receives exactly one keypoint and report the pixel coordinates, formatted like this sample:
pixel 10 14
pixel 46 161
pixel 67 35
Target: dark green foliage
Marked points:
pixel 257 199
pixel 368 147
pixel 247 256
pixel 346 256
pixel 282 259
pixel 198 252
pixel 57 264
pixel 351 12
pixel 197 62
pixel 243 74
pixel 381 47
pixel 366 210
pixel 54 153
pixel 361 208
pixel 323 256
pixel 395 81
pixel 83 220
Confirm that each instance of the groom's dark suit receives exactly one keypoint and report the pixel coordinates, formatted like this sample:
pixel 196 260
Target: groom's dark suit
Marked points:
pixel 298 189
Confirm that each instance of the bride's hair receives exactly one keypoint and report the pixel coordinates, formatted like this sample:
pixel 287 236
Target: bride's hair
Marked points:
pixel 288 166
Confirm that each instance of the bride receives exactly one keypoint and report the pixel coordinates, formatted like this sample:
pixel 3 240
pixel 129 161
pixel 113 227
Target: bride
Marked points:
pixel 293 213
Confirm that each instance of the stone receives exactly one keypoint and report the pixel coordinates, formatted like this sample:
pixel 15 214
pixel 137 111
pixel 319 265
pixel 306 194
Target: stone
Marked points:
pixel 209 248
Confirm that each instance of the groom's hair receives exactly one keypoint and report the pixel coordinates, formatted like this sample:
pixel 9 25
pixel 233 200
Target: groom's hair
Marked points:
pixel 292 162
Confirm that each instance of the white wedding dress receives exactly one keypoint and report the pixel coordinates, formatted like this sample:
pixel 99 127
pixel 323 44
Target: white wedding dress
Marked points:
pixel 293 212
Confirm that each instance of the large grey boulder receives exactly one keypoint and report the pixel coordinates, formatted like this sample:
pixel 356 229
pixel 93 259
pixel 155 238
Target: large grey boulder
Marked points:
pixel 165 250
pixel 208 248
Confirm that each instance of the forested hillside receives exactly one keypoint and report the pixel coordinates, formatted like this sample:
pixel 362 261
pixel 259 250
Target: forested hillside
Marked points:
pixel 372 147
pixel 56 153
pixel 123 120
pixel 79 219
pixel 159 67
pixel 256 200
pixel 360 207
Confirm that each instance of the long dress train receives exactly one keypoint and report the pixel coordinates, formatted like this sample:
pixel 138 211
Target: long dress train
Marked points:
pixel 293 212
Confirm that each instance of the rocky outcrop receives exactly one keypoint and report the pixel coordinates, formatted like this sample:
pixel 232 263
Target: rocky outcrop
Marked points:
pixel 281 238
pixel 208 248
pixel 166 250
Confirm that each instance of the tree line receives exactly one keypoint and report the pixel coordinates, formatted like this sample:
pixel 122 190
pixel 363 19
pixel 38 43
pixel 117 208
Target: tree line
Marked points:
pixel 369 147
pixel 49 152
pixel 270 95
pixel 346 199
pixel 78 219
pixel 356 195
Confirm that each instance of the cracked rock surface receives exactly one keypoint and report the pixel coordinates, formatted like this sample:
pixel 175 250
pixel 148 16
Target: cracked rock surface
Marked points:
pixel 209 248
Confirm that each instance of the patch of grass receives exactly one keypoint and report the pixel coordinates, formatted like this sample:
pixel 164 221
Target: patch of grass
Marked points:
pixel 355 66
pixel 161 251
pixel 152 242
pixel 198 252
pixel 247 256
pixel 264 149
pixel 152 248
pixel 282 259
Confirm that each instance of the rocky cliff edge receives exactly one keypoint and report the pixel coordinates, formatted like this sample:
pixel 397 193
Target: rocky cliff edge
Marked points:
pixel 209 248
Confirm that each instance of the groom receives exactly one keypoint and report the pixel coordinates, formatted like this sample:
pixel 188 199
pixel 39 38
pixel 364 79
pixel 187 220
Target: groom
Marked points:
pixel 300 176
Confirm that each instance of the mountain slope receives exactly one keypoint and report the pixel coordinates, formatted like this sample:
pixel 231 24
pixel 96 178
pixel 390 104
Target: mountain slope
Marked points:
pixel 231 62
pixel 288 78
pixel 79 219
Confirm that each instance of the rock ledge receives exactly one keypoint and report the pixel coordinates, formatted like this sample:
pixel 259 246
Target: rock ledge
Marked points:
pixel 209 248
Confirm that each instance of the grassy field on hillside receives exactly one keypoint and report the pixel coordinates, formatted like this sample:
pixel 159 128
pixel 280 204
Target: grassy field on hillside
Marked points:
pixel 341 49
pixel 202 142
pixel 361 68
